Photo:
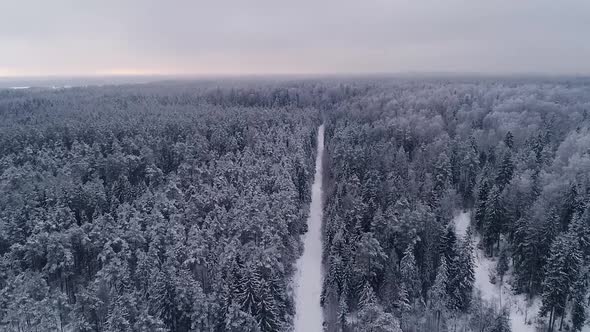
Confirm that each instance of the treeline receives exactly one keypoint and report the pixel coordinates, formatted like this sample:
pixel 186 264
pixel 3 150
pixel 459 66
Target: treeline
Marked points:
pixel 406 155
pixel 144 208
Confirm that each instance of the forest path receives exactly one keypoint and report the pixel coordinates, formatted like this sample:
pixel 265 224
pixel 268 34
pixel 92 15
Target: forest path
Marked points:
pixel 308 276
pixel 520 309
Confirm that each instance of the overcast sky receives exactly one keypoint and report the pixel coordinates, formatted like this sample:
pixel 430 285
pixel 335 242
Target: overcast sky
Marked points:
pixel 95 37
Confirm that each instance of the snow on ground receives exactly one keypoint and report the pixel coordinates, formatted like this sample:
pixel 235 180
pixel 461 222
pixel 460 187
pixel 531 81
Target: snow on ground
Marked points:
pixel 521 311
pixel 308 276
pixel 462 221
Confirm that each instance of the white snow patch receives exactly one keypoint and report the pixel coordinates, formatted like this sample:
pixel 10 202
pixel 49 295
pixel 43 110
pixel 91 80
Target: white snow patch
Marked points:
pixel 461 223
pixel 309 315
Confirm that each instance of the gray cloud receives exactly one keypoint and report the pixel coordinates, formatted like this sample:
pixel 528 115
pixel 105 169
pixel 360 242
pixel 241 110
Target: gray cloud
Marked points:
pixel 263 36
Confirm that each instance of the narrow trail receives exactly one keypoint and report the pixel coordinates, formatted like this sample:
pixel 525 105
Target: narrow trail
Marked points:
pixel 520 309
pixel 308 277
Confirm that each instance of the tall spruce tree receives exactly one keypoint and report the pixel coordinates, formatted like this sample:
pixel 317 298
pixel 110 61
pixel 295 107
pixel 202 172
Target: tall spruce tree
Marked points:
pixel 437 296
pixel 580 300
pixel 480 207
pixel 462 278
pixel 561 272
pixel 505 171
pixel 493 220
pixel 409 273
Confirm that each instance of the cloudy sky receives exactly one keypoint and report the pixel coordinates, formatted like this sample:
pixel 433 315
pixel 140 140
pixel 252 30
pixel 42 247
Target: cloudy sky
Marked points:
pixel 205 37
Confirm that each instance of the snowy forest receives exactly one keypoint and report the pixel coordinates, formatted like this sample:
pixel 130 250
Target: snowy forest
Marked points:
pixel 447 204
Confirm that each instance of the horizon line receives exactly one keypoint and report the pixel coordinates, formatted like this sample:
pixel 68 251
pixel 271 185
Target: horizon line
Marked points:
pixel 287 74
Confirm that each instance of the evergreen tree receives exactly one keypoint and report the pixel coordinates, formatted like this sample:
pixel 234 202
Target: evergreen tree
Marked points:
pixel 560 275
pixel 367 295
pixel 442 174
pixel 342 311
pixel 505 170
pixel 267 313
pixel 448 246
pixel 437 295
pixel 409 273
pixel 381 228
pixel 369 257
pixel 493 220
pixel 118 319
pixel 580 226
pixel 147 322
pixel 502 265
pixel 237 320
pixel 469 168
pixel 163 295
pixel 248 295
pixel 462 277
pixel 482 198
pixel 579 300
pixel 403 303
pixel 502 322
pixel 533 240
pixel 372 318
pixel 509 140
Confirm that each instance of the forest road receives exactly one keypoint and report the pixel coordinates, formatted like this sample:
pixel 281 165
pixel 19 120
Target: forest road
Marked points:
pixel 308 278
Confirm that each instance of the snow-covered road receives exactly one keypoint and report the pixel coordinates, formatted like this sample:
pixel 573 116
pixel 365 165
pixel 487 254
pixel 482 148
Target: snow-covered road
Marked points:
pixel 308 277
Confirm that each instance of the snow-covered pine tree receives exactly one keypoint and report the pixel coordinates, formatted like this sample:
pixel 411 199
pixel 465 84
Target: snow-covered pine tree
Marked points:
pixel 448 244
pixel 372 317
pixel 237 320
pixel 463 275
pixel 505 171
pixel 367 295
pixel 409 273
pixel 509 140
pixel 502 264
pixel 580 225
pixel 437 295
pixel 118 319
pixel 267 313
pixel 502 322
pixel 342 311
pixel 480 205
pixel 248 296
pixel 579 300
pixel 442 174
pixel 493 221
pixel 403 303
pixel 469 169
pixel 561 272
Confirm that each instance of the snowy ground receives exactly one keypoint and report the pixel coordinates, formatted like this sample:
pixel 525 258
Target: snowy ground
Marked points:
pixel 308 276
pixel 521 312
